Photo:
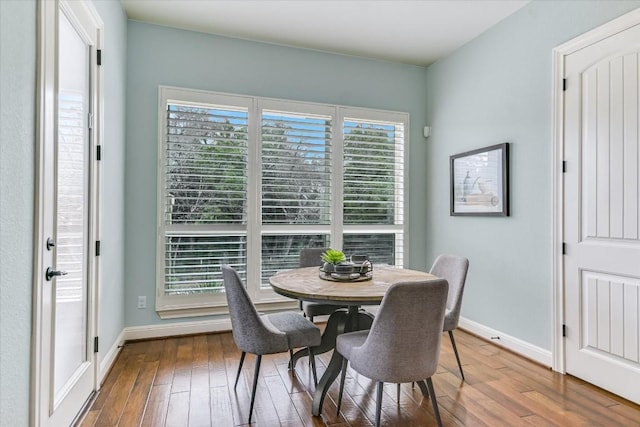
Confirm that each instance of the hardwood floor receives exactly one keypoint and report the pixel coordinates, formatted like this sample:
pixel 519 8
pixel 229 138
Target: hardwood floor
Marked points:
pixel 188 381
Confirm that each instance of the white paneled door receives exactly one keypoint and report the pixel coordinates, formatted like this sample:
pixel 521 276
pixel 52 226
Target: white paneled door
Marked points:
pixel 65 360
pixel 602 213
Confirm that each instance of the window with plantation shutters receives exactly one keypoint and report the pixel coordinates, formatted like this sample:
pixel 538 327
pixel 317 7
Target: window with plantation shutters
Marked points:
pixel 373 173
pixel 206 163
pixel 204 195
pixel 250 181
pixel 296 161
pixel 296 168
pixel 192 261
pixel 373 189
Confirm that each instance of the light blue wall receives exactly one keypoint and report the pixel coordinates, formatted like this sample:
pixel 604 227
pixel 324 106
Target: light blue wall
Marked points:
pixel 17 151
pixel 112 319
pixel 18 28
pixel 495 89
pixel 164 56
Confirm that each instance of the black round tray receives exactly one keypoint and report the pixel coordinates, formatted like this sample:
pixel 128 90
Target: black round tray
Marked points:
pixel 353 277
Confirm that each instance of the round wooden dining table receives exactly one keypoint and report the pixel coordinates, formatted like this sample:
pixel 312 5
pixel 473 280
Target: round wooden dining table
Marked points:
pixel 305 284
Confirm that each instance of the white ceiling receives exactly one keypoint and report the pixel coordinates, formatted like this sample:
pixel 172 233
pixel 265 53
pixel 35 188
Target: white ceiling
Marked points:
pixel 413 32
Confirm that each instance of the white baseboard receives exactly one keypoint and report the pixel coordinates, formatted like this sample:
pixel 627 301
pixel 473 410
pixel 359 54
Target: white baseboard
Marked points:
pixel 110 357
pixel 171 329
pixel 516 345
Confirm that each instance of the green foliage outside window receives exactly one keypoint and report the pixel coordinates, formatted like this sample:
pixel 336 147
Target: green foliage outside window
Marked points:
pixel 206 183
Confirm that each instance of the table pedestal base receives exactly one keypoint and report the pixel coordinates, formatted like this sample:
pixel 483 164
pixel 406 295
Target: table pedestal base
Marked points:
pixel 339 322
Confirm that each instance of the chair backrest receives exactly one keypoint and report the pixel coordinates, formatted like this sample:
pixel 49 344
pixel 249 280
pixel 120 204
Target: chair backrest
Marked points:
pixel 249 331
pixel 403 344
pixel 453 268
pixel 311 257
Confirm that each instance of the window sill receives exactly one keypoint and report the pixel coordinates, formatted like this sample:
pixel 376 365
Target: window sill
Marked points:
pixel 178 311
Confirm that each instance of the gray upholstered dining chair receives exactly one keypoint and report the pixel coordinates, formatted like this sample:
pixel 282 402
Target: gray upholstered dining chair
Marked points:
pixel 312 257
pixel 453 268
pixel 266 334
pixel 403 344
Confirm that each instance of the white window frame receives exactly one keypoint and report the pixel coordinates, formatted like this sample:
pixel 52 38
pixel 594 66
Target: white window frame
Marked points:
pixel 174 306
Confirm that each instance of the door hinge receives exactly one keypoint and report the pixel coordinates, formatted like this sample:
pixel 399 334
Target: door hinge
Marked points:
pixel 564 166
pixel 564 248
pixel 95 344
pixel 90 121
pixel 99 57
pixel 564 85
pixel 97 247
pixel 98 152
pixel 564 330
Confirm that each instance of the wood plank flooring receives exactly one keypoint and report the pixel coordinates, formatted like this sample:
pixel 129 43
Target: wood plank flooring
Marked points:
pixel 188 381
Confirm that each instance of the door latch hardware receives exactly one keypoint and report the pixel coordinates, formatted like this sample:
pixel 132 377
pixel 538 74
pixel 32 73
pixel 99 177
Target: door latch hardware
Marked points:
pixel 50 274
pixel 50 243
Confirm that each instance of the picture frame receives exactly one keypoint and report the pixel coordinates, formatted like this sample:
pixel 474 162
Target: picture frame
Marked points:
pixel 479 182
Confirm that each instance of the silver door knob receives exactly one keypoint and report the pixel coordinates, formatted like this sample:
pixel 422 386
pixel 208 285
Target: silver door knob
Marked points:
pixel 50 274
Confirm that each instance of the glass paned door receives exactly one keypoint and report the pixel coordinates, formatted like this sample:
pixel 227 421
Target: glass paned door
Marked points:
pixel 71 206
pixel 64 368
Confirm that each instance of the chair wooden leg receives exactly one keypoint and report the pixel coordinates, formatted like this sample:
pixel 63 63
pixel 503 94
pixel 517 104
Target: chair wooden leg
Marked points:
pixel 291 359
pixel 239 369
pixel 455 351
pixel 432 394
pixel 398 393
pixel 255 386
pixel 380 389
pixel 343 375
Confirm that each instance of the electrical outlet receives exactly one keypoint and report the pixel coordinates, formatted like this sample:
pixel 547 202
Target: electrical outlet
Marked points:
pixel 142 301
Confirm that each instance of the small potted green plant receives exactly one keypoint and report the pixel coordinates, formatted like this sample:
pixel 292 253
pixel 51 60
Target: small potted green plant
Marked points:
pixel 331 258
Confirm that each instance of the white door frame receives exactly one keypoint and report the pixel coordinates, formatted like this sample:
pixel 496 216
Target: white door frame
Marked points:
pixel 559 53
pixel 45 134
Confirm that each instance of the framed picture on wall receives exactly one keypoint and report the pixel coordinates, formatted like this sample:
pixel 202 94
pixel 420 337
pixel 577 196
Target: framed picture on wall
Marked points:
pixel 480 182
